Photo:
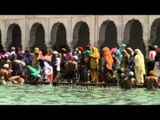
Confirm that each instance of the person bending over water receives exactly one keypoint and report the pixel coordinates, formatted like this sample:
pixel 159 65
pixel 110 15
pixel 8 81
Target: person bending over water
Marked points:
pixel 46 70
pixel 70 72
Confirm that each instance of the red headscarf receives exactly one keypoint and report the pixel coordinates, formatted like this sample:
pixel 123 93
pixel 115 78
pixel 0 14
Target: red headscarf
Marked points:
pixel 80 48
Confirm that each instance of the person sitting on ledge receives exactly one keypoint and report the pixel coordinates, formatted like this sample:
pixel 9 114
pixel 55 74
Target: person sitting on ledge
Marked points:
pixel 14 79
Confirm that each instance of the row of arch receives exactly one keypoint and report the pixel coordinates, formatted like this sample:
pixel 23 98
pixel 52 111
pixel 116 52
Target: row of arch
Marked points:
pixel 133 35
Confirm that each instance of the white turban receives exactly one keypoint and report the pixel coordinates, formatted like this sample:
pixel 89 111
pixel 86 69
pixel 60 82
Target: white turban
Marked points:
pixel 75 57
pixel 6 66
pixel 55 52
pixel 131 73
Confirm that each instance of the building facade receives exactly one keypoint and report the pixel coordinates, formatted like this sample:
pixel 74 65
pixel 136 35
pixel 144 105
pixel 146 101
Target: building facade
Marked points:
pixel 45 31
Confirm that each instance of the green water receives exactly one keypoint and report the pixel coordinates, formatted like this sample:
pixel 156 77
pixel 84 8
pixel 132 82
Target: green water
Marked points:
pixel 72 95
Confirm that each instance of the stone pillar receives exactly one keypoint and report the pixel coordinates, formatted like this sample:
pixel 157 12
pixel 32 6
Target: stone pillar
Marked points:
pixel 49 44
pixel 27 33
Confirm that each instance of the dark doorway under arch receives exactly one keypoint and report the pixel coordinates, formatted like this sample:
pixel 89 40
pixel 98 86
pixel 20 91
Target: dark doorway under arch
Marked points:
pixel 81 35
pixel 133 35
pixel 108 34
pixel 37 37
pixel 155 33
pixel 58 36
pixel 14 36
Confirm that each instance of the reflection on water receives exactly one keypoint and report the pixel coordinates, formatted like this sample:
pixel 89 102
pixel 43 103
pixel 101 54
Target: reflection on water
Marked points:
pixel 76 95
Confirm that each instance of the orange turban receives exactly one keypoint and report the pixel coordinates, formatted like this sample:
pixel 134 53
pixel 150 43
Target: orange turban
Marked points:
pixel 152 72
pixel 36 50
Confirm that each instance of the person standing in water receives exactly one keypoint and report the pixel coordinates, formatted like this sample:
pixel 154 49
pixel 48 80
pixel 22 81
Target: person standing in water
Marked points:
pixel 139 67
pixel 152 80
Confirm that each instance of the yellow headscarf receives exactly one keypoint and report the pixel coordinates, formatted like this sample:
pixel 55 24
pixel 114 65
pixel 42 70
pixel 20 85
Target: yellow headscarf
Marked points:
pixel 36 50
pixel 95 53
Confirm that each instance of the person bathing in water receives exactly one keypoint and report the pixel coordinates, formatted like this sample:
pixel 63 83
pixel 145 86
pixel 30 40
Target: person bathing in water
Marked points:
pixel 151 80
pixel 128 82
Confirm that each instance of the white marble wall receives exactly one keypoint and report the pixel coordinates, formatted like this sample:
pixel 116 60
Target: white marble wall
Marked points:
pixel 69 21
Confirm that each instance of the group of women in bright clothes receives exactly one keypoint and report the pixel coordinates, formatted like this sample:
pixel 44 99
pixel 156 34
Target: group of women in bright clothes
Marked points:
pixel 121 64
pixel 81 65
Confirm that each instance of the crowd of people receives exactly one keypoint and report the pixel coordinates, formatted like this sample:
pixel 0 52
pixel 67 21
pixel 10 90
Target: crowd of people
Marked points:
pixel 121 64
